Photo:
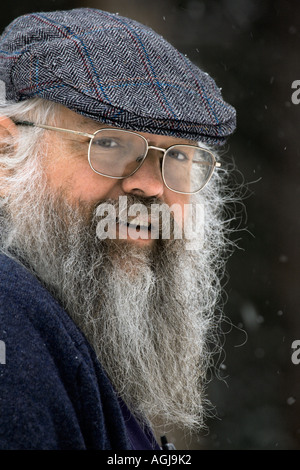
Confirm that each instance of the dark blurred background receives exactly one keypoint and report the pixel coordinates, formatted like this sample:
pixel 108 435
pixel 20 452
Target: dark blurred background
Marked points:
pixel 251 48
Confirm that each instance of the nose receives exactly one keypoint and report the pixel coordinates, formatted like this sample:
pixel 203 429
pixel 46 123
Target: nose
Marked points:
pixel 147 180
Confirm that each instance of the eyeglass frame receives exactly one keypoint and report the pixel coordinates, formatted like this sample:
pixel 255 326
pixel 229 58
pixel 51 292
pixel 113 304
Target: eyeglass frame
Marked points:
pixel 149 147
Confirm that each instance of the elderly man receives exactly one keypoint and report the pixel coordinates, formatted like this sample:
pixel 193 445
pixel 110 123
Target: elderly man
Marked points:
pixel 107 334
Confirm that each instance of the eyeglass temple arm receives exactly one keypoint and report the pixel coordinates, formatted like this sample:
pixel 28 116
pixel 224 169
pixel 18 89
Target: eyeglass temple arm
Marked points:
pixel 51 128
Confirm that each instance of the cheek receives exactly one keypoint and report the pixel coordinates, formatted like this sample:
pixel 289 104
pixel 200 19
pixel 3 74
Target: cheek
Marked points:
pixel 78 181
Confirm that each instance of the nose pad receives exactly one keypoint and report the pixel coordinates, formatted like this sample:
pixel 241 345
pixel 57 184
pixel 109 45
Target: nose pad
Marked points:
pixel 147 180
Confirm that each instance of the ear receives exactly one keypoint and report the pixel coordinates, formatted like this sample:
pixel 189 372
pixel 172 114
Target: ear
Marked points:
pixel 7 127
pixel 8 134
pixel 8 131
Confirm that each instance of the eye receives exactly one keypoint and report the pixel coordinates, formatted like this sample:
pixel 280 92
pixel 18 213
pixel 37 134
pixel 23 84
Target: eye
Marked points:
pixel 105 142
pixel 177 155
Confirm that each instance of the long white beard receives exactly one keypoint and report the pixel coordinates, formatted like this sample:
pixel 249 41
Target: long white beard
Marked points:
pixel 149 314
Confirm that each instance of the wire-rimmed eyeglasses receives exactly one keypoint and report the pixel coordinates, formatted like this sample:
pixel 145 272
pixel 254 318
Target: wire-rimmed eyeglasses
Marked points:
pixel 118 154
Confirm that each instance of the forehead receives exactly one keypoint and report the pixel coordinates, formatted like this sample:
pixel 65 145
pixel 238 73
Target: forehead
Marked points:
pixel 75 121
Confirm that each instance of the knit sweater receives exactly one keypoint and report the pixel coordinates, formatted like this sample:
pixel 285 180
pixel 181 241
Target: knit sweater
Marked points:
pixel 54 393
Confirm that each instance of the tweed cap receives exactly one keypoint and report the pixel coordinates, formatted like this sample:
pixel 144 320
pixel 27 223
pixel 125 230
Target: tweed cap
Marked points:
pixel 114 70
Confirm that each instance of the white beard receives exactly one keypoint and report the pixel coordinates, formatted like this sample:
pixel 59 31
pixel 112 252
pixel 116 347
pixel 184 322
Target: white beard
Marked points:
pixel 148 314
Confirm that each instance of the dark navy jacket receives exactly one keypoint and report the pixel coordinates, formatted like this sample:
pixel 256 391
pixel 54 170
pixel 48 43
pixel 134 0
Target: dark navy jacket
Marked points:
pixel 53 392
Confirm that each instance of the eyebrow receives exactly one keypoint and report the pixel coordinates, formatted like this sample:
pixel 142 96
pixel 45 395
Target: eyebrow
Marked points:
pixel 88 123
pixel 83 121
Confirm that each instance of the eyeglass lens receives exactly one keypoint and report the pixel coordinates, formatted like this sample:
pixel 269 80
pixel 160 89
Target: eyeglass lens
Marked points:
pixel 119 153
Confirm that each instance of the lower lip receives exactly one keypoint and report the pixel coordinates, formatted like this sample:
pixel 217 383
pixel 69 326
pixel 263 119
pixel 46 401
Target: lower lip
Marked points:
pixel 141 236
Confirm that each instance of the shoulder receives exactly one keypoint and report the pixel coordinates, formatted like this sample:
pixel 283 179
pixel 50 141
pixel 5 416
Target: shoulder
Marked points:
pixel 33 325
pixel 51 386
pixel 19 287
pixel 26 305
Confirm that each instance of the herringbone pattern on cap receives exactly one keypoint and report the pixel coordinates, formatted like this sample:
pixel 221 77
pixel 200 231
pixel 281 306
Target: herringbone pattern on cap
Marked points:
pixel 114 70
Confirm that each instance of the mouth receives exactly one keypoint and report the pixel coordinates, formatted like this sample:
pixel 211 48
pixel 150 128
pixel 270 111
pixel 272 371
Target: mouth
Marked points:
pixel 136 223
pixel 141 226
pixel 137 230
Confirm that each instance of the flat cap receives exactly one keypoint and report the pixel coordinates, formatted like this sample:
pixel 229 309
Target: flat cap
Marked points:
pixel 114 70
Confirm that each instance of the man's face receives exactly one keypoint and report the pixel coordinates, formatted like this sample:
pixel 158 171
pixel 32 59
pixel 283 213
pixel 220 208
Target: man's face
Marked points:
pixel 68 170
